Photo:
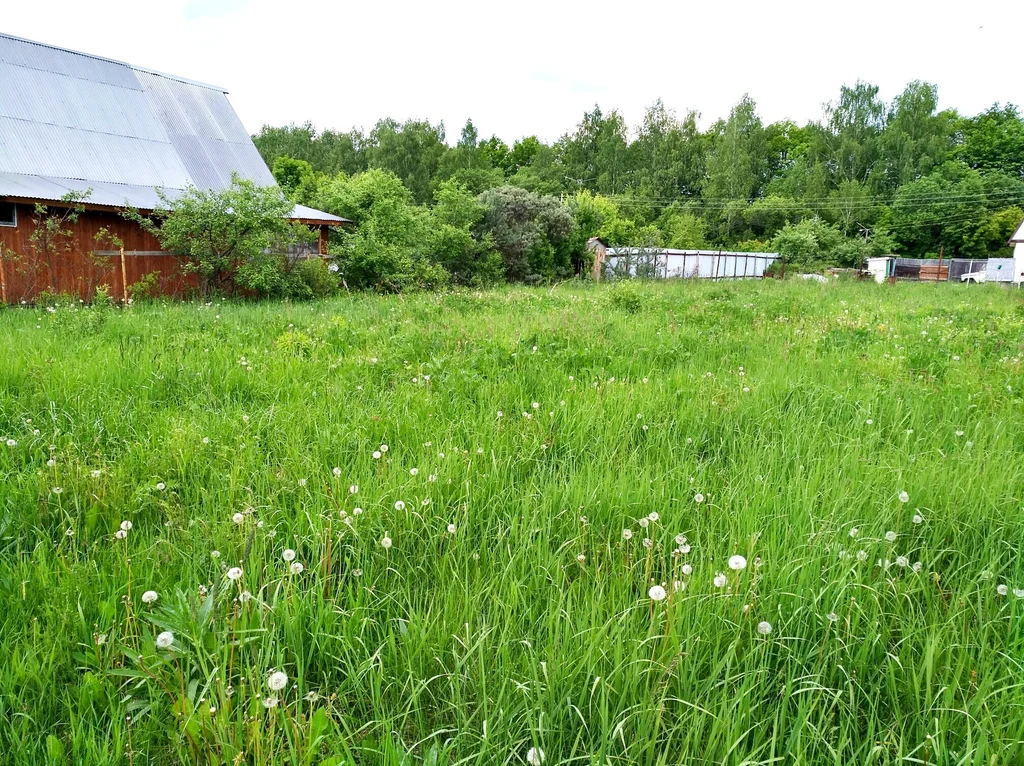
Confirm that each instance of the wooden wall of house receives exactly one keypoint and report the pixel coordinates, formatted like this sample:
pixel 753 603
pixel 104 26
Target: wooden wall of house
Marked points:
pixel 79 265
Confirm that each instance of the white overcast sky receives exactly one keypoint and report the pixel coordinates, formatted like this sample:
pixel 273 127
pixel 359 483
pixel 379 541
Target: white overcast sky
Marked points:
pixel 533 66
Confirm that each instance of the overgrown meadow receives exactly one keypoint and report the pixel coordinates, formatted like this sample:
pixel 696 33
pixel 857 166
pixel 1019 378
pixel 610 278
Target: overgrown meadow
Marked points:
pixel 747 523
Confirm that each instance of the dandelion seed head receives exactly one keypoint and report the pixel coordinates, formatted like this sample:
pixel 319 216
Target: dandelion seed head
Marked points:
pixel 235 573
pixel 890 536
pixel 535 756
pixel 238 518
pixel 277 680
pixel 698 498
pixel 657 593
pixel 385 542
pixel 160 486
pixel 737 563
pixel 165 639
pixel 627 534
pixel 764 627
pixel 903 497
pixel 296 567
pixel 1002 590
pixel 399 505
pixel 150 597
pixel 719 580
pixel 288 555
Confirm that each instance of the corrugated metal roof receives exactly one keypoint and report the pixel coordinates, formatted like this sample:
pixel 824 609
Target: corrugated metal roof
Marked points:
pixel 70 121
pixel 301 212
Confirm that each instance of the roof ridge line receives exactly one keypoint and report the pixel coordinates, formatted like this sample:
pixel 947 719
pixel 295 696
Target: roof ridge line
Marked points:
pixel 133 67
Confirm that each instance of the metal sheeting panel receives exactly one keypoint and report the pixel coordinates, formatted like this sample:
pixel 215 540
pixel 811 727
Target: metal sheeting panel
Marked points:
pixel 310 214
pixel 71 122
pixel 73 116
pixel 999 270
pixel 205 132
pixel 54 189
pixel 45 58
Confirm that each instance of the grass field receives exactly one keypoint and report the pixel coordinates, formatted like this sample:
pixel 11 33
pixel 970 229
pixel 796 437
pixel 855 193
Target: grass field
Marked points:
pixel 187 449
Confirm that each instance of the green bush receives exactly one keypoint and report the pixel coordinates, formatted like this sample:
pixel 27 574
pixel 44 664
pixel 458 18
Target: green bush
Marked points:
pixel 317 277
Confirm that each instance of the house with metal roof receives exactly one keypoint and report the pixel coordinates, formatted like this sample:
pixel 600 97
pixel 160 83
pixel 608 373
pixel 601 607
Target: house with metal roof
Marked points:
pixel 1017 243
pixel 72 123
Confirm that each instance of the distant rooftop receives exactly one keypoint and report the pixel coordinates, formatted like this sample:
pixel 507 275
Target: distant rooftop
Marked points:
pixel 72 121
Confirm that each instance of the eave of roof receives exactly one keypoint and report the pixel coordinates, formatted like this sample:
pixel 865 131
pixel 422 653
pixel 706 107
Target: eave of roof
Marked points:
pixel 54 191
pixel 1018 237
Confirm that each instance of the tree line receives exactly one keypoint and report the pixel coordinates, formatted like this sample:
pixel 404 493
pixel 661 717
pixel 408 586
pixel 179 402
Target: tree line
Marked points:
pixel 867 178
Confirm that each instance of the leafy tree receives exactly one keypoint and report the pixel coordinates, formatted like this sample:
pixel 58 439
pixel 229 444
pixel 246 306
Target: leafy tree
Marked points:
pixel 328 152
pixel 234 237
pixel 916 138
pixel 455 241
pixel 596 156
pixel 388 250
pixel 683 229
pixel 296 178
pixel 531 232
pixel 849 141
pixel 993 141
pixel 411 150
pixel 738 162
pixel 669 157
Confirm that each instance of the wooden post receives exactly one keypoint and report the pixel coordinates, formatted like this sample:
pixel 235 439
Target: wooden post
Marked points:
pixel 323 240
pixel 124 279
pixel 3 281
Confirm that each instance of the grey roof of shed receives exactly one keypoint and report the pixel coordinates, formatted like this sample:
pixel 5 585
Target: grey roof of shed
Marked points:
pixel 71 121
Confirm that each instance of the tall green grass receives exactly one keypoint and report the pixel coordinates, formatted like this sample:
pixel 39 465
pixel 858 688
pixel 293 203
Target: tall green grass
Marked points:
pixel 541 424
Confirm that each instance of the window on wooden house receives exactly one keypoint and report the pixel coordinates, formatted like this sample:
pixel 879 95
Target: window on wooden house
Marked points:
pixel 8 214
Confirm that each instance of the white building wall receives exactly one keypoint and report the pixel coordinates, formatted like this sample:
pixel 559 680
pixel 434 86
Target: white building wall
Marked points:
pixel 1018 263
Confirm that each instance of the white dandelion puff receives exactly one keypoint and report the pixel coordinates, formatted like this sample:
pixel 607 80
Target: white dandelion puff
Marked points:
pixel 150 597
pixel 399 505
pixel 238 518
pixel 288 555
pixel 1002 590
pixel 296 567
pixel 890 536
pixel 165 639
pixel 657 593
pixel 627 534
pixel 737 563
pixel 277 680
pixel 698 498
pixel 719 580
pixel 535 756
pixel 385 542
pixel 235 573
pixel 764 627
pixel 903 497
